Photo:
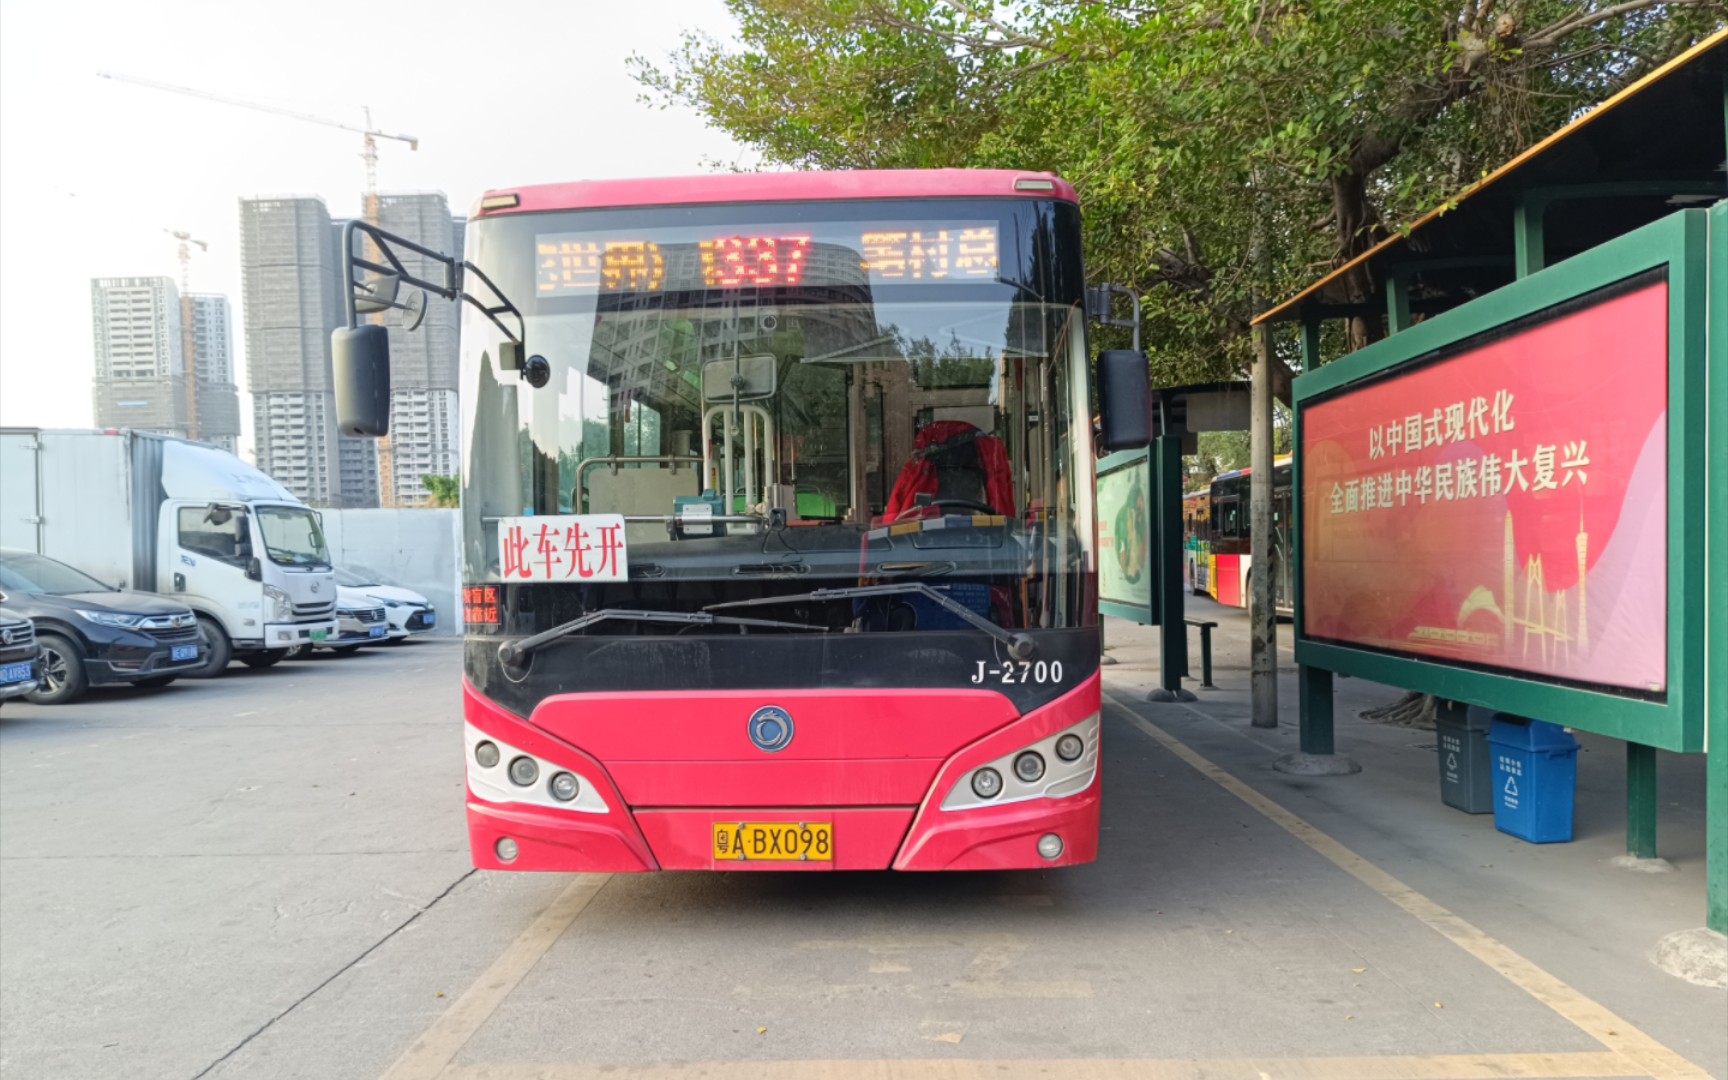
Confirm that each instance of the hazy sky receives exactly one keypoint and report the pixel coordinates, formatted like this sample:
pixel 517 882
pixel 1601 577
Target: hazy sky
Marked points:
pixel 92 170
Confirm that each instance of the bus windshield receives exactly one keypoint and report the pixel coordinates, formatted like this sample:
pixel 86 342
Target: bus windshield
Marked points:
pixel 778 399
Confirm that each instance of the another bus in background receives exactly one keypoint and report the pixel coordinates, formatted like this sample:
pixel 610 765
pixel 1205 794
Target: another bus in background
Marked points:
pixel 1230 568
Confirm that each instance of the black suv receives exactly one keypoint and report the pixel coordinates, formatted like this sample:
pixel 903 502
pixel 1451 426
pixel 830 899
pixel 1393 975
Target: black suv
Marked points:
pixel 91 634
pixel 20 665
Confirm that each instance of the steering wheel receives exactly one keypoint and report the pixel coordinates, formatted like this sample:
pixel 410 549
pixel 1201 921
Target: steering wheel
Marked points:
pixel 962 504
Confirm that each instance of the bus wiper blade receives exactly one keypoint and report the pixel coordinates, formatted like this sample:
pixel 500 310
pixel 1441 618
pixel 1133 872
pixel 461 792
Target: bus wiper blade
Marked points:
pixel 1020 646
pixel 511 652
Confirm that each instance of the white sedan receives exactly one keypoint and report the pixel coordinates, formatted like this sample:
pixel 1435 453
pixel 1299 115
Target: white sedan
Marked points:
pixel 407 612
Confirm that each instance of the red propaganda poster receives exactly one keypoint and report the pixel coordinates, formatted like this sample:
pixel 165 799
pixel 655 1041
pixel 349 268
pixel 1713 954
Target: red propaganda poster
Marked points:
pixel 1504 506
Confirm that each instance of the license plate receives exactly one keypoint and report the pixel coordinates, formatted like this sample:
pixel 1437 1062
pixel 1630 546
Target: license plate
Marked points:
pixel 14 673
pixel 777 841
pixel 429 619
pixel 320 635
pixel 377 631
pixel 185 652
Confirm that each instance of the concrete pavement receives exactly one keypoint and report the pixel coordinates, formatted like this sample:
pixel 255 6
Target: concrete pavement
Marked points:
pixel 266 876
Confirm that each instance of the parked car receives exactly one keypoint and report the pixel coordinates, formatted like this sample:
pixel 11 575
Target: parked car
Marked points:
pixel 92 634
pixel 20 656
pixel 408 612
pixel 359 621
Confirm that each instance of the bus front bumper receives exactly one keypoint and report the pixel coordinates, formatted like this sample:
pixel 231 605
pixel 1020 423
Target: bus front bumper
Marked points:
pixel 514 826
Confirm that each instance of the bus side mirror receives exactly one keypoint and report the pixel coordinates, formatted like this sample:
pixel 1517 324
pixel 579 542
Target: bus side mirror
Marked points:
pixel 360 371
pixel 1124 399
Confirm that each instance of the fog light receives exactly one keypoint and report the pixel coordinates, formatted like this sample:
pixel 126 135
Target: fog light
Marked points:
pixel 523 772
pixel 1029 767
pixel 507 851
pixel 986 783
pixel 1049 846
pixel 486 754
pixel 564 786
pixel 1070 746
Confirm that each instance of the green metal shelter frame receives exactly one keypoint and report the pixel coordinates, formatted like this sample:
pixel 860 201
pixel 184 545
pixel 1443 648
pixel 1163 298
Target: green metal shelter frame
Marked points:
pixel 1600 201
pixel 1677 245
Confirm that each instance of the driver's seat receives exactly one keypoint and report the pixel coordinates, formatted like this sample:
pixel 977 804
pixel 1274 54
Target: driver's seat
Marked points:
pixel 954 460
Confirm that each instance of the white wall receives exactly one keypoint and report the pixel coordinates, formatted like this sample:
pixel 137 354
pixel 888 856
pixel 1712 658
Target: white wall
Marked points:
pixel 414 549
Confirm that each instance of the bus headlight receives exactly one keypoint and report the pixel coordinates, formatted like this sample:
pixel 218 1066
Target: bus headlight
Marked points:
pixel 987 783
pixel 1070 746
pixel 524 771
pixel 564 786
pixel 501 773
pixel 1062 763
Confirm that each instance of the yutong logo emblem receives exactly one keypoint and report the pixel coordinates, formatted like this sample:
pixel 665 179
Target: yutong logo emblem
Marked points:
pixel 771 728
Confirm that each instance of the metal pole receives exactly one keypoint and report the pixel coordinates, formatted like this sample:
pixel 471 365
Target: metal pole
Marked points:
pixel 1262 644
pixel 1640 800
pixel 1166 461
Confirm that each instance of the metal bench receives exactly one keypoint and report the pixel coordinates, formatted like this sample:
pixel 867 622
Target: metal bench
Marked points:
pixel 1205 626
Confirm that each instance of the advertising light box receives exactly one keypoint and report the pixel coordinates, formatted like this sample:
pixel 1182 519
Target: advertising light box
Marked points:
pixel 1125 536
pixel 1502 504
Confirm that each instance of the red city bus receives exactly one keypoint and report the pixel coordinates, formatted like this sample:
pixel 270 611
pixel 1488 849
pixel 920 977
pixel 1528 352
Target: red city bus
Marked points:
pixel 1231 568
pixel 777 518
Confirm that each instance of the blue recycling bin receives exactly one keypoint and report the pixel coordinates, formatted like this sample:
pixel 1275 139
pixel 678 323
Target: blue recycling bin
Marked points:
pixel 1535 777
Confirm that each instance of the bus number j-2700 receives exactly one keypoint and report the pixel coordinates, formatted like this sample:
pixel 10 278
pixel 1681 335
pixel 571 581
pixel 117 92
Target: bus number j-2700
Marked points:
pixel 1019 672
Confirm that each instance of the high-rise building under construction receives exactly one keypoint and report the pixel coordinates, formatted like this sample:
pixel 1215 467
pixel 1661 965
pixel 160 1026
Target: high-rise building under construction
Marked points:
pixel 291 301
pixel 291 252
pixel 141 369
pixel 424 422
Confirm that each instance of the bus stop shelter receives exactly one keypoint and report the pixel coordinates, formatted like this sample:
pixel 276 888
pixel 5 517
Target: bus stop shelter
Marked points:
pixel 1517 498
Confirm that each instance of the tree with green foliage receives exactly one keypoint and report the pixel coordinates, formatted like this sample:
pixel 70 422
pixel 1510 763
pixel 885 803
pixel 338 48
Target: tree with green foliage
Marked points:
pixel 446 492
pixel 1225 153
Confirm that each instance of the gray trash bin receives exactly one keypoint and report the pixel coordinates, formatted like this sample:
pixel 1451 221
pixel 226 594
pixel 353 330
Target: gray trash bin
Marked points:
pixel 1466 764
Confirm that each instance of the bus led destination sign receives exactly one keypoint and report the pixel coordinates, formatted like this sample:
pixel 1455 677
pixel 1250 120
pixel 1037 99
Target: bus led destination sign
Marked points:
pixel 766 257
pixel 1505 506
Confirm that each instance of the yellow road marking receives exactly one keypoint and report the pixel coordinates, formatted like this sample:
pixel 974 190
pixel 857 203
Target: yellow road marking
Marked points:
pixel 1458 1067
pixel 434 1049
pixel 1630 1052
pixel 1644 1055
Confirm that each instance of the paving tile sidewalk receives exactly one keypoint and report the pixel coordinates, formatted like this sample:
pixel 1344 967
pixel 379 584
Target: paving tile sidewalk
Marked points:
pixel 1565 907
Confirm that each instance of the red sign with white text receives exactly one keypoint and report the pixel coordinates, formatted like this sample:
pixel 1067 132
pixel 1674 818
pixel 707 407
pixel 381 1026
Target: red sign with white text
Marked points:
pixel 1503 507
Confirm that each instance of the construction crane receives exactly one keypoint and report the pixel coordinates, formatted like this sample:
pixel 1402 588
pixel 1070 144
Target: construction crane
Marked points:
pixel 386 479
pixel 188 341
pixel 369 133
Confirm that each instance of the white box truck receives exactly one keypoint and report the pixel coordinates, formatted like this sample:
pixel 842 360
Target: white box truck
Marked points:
pixel 185 519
